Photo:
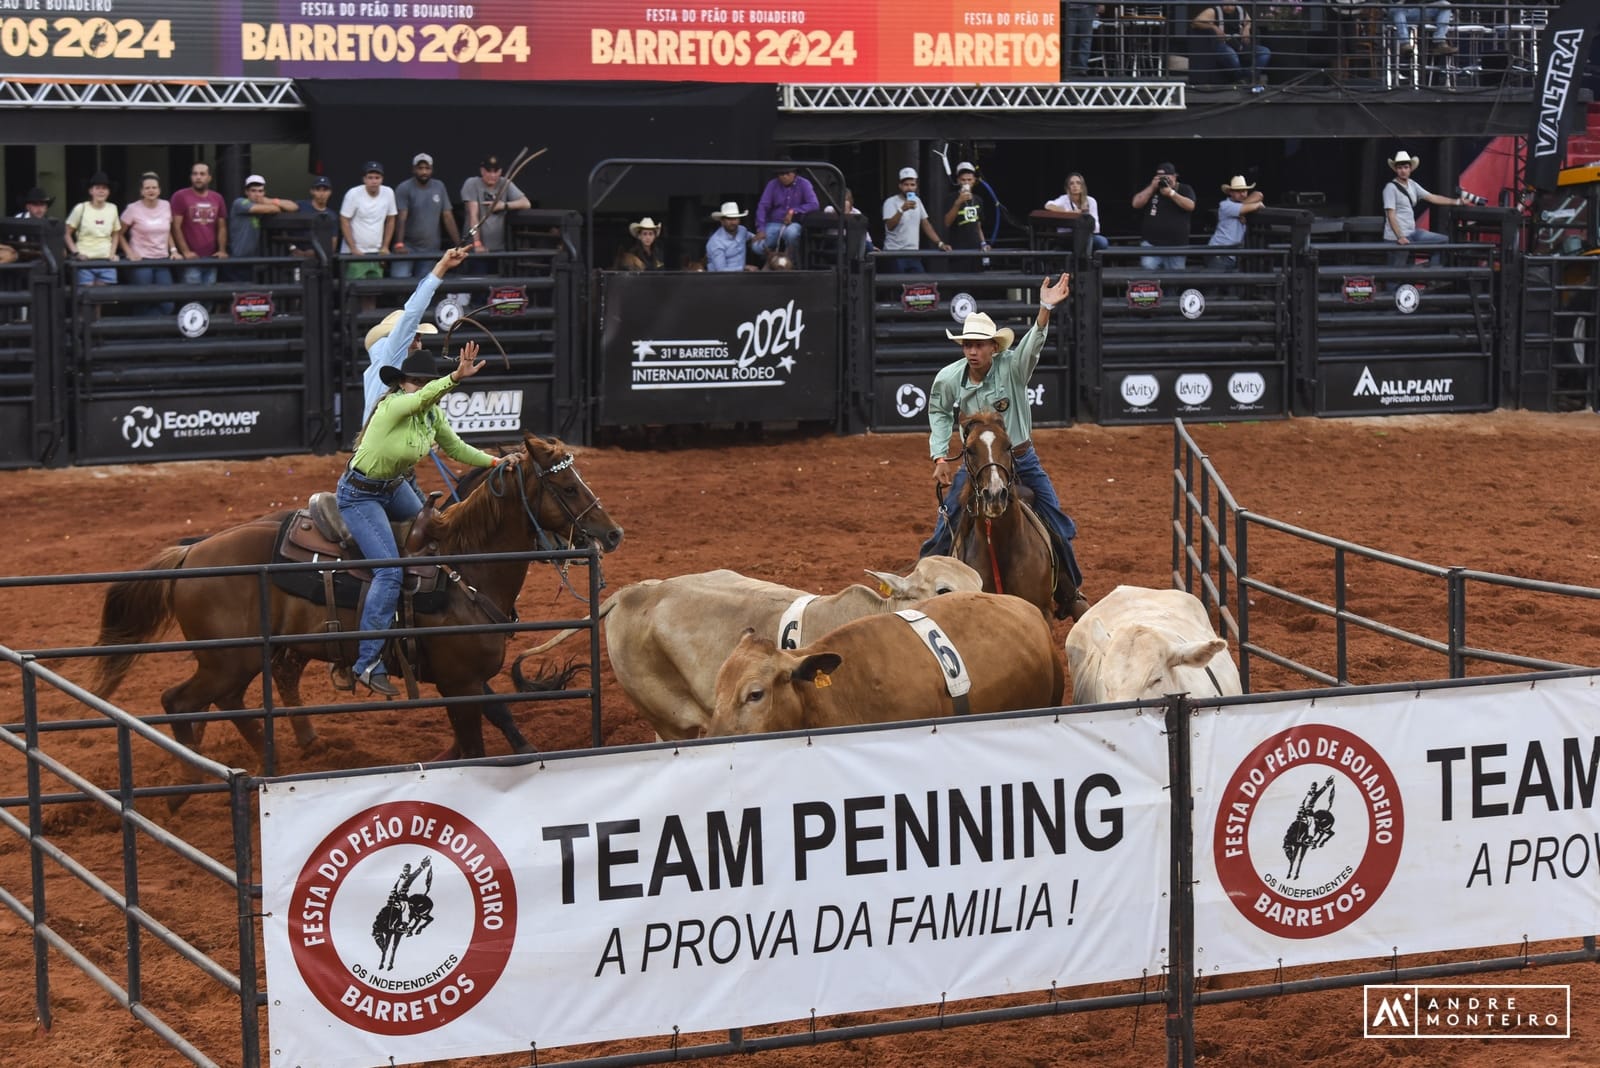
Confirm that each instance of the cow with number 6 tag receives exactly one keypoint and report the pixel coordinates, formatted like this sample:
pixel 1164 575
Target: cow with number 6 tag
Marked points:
pixel 958 654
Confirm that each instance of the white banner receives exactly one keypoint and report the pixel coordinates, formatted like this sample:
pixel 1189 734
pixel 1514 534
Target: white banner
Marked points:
pixel 1355 826
pixel 448 913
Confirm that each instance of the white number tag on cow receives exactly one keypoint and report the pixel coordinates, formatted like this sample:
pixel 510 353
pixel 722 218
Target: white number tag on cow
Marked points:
pixel 789 632
pixel 956 680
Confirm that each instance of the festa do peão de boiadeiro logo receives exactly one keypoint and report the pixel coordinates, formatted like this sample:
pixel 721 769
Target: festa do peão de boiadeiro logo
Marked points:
pixel 403 918
pixel 1310 831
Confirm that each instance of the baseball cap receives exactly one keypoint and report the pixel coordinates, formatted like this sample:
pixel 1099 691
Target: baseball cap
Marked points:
pixel 907 172
pixel 372 167
pixel 1166 168
pixel 422 157
pixel 254 179
pixel 490 163
pixel 321 182
pixel 963 167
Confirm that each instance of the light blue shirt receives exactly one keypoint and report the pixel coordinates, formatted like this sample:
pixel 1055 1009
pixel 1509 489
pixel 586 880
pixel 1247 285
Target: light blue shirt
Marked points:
pixel 1004 388
pixel 725 251
pixel 1230 224
pixel 391 350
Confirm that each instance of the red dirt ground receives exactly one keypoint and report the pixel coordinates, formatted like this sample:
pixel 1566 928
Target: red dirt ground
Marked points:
pixel 1508 492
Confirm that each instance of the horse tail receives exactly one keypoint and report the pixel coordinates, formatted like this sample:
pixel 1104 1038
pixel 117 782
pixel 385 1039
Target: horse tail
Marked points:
pixel 135 610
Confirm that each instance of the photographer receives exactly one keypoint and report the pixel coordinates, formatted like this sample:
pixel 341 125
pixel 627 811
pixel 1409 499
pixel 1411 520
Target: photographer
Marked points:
pixel 903 214
pixel 964 221
pixel 1168 205
pixel 1401 194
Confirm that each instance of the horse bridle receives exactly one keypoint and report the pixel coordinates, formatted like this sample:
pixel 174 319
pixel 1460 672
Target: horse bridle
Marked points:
pixel 542 537
pixel 975 472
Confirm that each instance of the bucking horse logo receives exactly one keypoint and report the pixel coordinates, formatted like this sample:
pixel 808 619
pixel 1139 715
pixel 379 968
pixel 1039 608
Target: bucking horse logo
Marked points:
pixel 404 914
pixel 1312 826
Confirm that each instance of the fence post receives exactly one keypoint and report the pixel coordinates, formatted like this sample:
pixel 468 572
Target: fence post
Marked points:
pixel 1180 914
pixel 41 948
pixel 1086 317
pixel 1241 593
pixel 1456 585
pixel 242 809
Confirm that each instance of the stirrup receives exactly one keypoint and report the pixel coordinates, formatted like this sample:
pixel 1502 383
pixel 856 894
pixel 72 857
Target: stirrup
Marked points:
pixel 376 680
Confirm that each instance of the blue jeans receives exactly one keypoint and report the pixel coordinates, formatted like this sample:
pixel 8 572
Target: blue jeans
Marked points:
pixel 1080 37
pixel 1161 263
pixel 1417 237
pixel 1231 64
pixel 1046 505
pixel 199 276
pixel 777 235
pixel 152 276
pixel 410 268
pixel 368 515
pixel 1432 15
pixel 97 276
pixel 907 265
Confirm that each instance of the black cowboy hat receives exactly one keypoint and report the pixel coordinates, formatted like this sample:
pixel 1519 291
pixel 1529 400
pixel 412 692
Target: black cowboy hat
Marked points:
pixel 37 196
pixel 420 364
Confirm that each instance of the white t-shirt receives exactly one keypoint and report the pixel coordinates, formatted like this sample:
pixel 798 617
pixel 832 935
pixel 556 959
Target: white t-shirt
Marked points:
pixel 907 235
pixel 1064 203
pixel 1405 210
pixel 366 214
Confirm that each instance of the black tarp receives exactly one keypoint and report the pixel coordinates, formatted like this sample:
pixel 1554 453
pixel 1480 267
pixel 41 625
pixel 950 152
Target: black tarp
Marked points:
pixel 1563 45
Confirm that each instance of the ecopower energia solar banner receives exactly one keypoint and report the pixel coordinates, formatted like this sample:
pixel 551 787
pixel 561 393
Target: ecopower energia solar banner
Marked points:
pixel 441 913
pixel 1365 825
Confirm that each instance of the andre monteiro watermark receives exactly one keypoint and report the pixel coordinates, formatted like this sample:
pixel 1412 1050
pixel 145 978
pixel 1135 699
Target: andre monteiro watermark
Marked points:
pixel 1441 1011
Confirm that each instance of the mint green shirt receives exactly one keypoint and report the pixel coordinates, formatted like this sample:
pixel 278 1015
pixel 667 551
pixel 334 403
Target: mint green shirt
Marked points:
pixel 1004 389
pixel 404 426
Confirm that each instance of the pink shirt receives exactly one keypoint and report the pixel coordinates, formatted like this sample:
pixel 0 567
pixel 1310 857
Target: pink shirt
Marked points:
pixel 199 214
pixel 148 230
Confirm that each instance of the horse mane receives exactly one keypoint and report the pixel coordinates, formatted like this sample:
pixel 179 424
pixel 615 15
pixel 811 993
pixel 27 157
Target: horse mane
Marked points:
pixel 472 525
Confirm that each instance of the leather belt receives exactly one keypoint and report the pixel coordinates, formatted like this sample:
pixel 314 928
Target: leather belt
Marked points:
pixel 371 485
pixel 1022 450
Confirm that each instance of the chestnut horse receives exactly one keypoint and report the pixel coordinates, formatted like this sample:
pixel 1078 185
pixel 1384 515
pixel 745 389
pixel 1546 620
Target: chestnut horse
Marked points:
pixel 540 503
pixel 996 533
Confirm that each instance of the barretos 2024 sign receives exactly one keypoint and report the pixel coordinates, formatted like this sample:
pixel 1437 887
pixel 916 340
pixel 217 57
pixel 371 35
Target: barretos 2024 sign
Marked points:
pixel 770 41
pixel 692 348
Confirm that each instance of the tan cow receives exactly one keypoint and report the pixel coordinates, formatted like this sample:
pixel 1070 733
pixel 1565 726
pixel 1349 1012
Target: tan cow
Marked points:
pixel 882 668
pixel 666 637
pixel 1137 643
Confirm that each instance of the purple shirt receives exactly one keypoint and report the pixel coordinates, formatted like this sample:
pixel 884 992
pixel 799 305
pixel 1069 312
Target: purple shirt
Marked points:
pixel 778 198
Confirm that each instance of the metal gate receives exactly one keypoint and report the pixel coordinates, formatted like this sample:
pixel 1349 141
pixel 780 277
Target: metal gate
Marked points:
pixel 33 412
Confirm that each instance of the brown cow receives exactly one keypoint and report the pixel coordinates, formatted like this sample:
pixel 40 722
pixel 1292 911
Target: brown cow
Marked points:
pixel 879 668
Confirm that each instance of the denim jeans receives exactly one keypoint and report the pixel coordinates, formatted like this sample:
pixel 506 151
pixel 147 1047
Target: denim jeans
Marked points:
pixel 1433 15
pixel 368 515
pixel 778 235
pixel 907 265
pixel 411 268
pixel 152 276
pixel 1417 237
pixel 1080 37
pixel 1046 505
pixel 1161 263
pixel 199 276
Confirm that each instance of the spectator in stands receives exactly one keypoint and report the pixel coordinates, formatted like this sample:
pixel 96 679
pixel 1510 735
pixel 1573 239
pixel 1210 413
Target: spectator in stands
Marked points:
pixel 1239 199
pixel 200 225
pixel 1435 14
pixel 424 206
pixel 785 200
pixel 1079 43
pixel 1225 31
pixel 905 222
pixel 147 235
pixel 244 223
pixel 964 220
pixel 366 223
pixel 318 209
pixel 644 254
pixel 1076 198
pixel 851 209
pixel 729 242
pixel 35 205
pixel 486 208
pixel 1168 205
pixel 92 231
pixel 1400 197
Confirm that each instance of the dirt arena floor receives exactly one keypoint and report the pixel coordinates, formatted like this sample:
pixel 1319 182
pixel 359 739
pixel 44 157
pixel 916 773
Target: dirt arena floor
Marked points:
pixel 1509 492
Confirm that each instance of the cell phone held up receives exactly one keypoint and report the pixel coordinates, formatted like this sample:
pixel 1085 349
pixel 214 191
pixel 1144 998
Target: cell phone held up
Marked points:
pixel 911 198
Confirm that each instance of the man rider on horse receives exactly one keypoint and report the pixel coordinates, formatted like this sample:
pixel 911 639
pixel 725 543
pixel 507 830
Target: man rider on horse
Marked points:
pixel 992 374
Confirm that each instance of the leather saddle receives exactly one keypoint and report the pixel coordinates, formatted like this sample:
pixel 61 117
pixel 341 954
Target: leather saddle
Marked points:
pixel 318 532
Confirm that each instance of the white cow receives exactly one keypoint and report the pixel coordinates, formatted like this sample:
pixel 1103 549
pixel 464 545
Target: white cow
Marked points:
pixel 1136 643
pixel 667 637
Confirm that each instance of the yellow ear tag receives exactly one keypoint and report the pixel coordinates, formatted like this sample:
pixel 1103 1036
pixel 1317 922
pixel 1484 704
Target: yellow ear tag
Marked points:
pixel 883 588
pixel 821 679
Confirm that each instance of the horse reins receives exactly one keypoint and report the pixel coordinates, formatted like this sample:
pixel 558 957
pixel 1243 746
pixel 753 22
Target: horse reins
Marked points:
pixel 988 524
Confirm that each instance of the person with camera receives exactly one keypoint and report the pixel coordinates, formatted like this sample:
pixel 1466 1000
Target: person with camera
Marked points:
pixel 1401 195
pixel 964 221
pixel 905 219
pixel 1168 205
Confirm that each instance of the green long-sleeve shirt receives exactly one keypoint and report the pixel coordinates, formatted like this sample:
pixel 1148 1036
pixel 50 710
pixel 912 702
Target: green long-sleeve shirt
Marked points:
pixel 404 426
pixel 1004 388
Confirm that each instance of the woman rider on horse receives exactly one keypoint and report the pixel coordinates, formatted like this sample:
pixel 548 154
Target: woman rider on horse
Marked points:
pixel 374 490
pixel 992 374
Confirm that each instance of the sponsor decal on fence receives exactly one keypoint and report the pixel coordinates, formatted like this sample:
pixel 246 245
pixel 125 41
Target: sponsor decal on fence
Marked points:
pixel 919 296
pixel 1358 289
pixel 252 307
pixel 709 887
pixel 507 300
pixel 1145 296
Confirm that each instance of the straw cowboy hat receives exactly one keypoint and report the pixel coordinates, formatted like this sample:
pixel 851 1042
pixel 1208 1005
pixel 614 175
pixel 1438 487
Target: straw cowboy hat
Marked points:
pixel 415 365
pixel 645 223
pixel 1403 156
pixel 730 210
pixel 979 327
pixel 387 324
pixel 1237 184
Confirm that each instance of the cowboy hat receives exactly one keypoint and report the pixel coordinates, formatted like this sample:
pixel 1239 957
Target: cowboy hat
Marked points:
pixel 1237 184
pixel 646 223
pixel 979 327
pixel 420 364
pixel 1403 156
pixel 730 210
pixel 37 196
pixel 387 324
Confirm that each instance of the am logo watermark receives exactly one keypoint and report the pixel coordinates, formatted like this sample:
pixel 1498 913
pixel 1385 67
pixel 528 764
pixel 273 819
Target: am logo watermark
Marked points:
pixel 1513 1010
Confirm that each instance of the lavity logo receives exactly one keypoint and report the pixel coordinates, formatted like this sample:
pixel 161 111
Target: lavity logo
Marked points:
pixel 1193 389
pixel 1140 391
pixel 1247 388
